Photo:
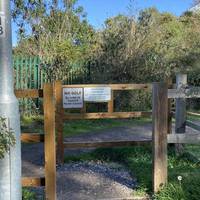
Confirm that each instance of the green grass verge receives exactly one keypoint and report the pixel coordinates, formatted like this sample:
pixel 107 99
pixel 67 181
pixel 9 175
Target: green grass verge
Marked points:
pixel 138 161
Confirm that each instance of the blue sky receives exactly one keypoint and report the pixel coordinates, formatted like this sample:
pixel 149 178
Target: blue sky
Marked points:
pixel 98 10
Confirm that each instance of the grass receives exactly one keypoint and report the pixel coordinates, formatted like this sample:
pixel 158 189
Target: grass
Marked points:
pixel 138 161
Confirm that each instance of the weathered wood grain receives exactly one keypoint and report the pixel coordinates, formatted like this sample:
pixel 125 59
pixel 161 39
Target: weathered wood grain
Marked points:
pixel 114 86
pixel 97 144
pixel 105 115
pixel 160 118
pixel 33 181
pixel 32 137
pixel 59 121
pixel 29 93
pixel 50 142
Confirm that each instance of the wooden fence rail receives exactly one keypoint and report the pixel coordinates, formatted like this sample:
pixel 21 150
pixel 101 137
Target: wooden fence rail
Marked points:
pixel 55 116
pixel 49 181
pixel 61 116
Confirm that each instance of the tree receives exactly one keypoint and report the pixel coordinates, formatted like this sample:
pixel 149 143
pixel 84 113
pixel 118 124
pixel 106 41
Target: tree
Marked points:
pixel 61 37
pixel 154 46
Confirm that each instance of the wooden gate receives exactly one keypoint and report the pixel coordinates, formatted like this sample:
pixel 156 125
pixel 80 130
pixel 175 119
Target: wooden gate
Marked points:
pixel 61 116
pixel 161 123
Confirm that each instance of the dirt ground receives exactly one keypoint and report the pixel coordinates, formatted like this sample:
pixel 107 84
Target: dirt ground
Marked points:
pixel 89 180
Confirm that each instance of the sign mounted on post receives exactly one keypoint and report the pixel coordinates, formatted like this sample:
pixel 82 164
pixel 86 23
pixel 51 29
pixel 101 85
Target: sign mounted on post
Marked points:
pixel 2 25
pixel 97 94
pixel 72 97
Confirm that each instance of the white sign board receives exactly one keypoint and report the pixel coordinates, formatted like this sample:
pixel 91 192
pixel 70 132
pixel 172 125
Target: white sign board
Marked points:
pixel 72 97
pixel 97 94
pixel 2 25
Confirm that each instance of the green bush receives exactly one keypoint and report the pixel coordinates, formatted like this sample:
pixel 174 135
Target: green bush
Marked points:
pixel 7 138
pixel 28 195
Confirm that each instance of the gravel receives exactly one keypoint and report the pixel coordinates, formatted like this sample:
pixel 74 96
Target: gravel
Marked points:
pixel 94 181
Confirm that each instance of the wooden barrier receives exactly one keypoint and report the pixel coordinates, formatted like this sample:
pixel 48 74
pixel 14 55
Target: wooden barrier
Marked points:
pixel 29 93
pixel 193 125
pixel 49 181
pixel 104 115
pixel 160 119
pixel 59 121
pixel 103 144
pixel 161 126
pixel 49 142
pixel 61 116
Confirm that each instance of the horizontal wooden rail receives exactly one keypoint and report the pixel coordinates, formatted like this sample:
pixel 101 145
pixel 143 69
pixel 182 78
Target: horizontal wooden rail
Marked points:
pixel 114 86
pixel 193 125
pixel 114 115
pixel 33 181
pixel 90 144
pixel 32 137
pixel 29 93
pixel 183 138
pixel 171 138
pixel 193 92
pixel 194 114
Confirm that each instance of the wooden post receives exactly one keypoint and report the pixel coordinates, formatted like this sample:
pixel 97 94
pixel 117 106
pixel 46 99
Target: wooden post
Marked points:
pixel 180 114
pixel 181 82
pixel 169 126
pixel 59 121
pixel 111 103
pixel 50 144
pixel 84 109
pixel 160 117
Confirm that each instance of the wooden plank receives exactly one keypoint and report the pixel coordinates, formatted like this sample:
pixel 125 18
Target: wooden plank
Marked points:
pixel 193 125
pixel 111 103
pixel 184 138
pixel 84 109
pixel 194 114
pixel 50 144
pixel 180 112
pixel 169 125
pixel 32 137
pixel 33 181
pixel 171 138
pixel 192 92
pixel 104 115
pixel 29 93
pixel 114 86
pixel 160 117
pixel 59 121
pixel 97 144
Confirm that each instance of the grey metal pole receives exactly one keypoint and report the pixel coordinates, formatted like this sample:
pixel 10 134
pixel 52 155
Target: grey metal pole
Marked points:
pixel 10 165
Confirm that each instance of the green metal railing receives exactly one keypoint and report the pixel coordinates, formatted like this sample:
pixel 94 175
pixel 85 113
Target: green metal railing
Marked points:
pixel 28 73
